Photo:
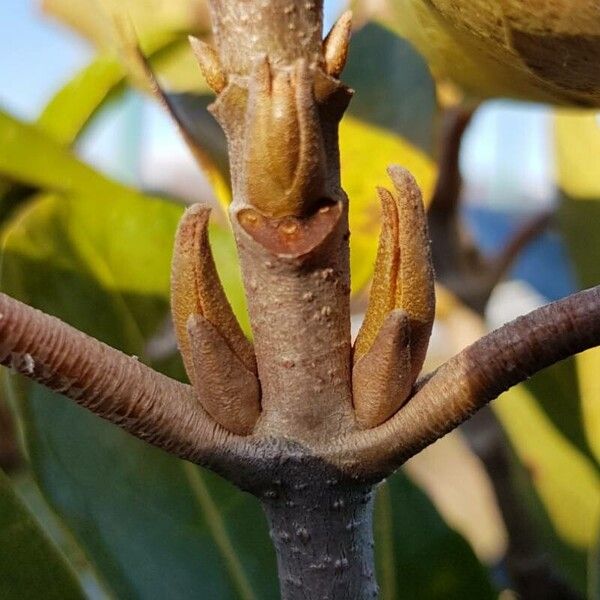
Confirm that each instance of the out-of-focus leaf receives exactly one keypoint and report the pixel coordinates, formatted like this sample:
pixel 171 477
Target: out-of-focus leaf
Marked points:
pixel 94 18
pixel 504 48
pixel 70 110
pixel 417 554
pixel 394 89
pixel 588 369
pixel 566 481
pixel 558 392
pixel 566 561
pixel 560 485
pixel 595 570
pixel 577 146
pixel 30 157
pixel 30 566
pixel 579 220
pixel 99 22
pixel 366 150
pixel 578 172
pixel 154 526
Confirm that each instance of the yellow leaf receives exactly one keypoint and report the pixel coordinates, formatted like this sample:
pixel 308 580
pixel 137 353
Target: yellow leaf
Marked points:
pixel 578 153
pixel 541 51
pixel 97 21
pixel 565 480
pixel 366 151
pixel 588 370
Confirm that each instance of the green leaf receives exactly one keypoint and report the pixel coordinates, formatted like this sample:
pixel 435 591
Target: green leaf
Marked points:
pixel 503 48
pixel 577 148
pixel 30 566
pixel 417 554
pixel 394 89
pixel 567 561
pixel 559 392
pixel 66 115
pixel 154 526
pixel 72 108
pixel 33 158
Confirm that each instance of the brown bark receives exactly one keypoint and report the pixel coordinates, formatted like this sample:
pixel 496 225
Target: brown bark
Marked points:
pixel 107 382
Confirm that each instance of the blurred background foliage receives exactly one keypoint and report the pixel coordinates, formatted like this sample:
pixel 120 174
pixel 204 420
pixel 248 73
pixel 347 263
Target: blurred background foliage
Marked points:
pixel 92 184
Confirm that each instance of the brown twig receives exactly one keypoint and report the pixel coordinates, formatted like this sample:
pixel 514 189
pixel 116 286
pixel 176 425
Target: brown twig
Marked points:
pixel 446 196
pixel 107 382
pixel 481 372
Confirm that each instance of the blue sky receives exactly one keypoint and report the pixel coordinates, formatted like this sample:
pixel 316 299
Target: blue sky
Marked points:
pixel 37 55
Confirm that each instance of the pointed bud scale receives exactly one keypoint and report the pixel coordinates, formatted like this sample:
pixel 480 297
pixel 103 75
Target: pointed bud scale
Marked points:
pixel 381 379
pixel 196 290
pixel 383 288
pixel 209 64
pixel 335 45
pixel 227 390
pixel 415 292
pixel 403 279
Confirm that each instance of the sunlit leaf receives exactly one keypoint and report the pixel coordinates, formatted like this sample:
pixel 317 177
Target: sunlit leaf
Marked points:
pixel 33 158
pixel 505 49
pixel 72 108
pixel 558 392
pixel 567 482
pixel 588 369
pixel 99 21
pixel 578 174
pixel 93 18
pixel 30 566
pixel 578 153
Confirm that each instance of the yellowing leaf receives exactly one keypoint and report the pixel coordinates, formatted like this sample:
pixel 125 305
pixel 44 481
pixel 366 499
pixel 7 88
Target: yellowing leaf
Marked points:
pixel 544 52
pixel 366 151
pixel 92 18
pixel 153 20
pixel 588 371
pixel 578 153
pixel 565 480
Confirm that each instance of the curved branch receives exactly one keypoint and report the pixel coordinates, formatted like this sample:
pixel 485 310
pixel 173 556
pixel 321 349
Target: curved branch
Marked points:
pixel 479 374
pixel 116 387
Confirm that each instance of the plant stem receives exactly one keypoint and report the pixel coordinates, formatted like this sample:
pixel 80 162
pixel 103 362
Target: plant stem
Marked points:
pixel 322 530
